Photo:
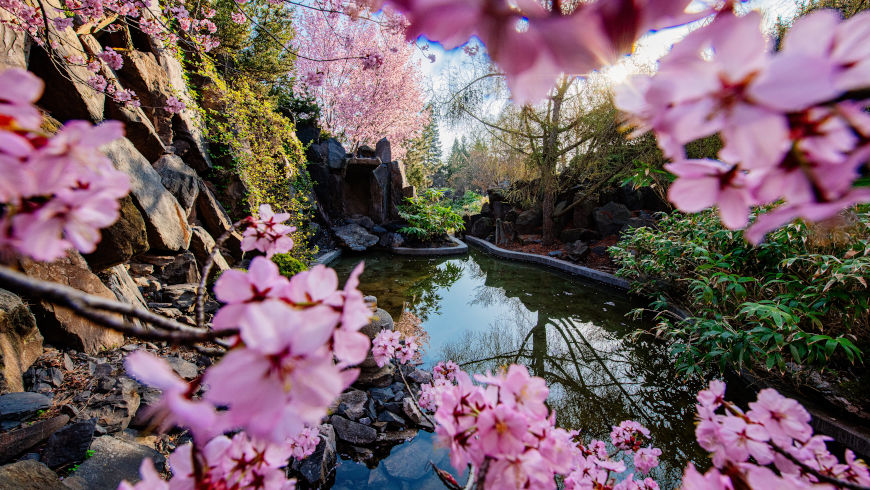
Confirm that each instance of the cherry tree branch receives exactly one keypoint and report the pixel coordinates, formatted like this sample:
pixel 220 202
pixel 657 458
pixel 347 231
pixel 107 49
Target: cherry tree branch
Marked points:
pixel 98 309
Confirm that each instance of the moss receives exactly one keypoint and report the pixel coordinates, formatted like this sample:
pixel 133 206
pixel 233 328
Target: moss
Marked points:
pixel 288 265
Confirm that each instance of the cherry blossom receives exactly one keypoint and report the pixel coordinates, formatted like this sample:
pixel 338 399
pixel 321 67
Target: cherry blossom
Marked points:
pixel 112 59
pixel 268 234
pixel 174 105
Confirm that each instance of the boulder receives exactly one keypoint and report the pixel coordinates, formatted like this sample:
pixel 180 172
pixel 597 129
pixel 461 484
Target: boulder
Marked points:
pixel 20 341
pixel 118 280
pixel 529 221
pixel 611 217
pixel 122 240
pixel 365 151
pixel 379 188
pixel 29 475
pixel 333 154
pixel 355 237
pixel 318 467
pixel 20 440
pixel 363 221
pixel 174 269
pixel 383 150
pixel 165 219
pixel 391 240
pixel 398 184
pixel 185 369
pixel 353 432
pixel 113 404
pixel 69 445
pixel 138 128
pixel 482 227
pixel 180 180
pixel 201 245
pixel 181 296
pixel 60 325
pixel 143 74
pixel 210 211
pixel 114 460
pixel 21 406
pixel 14 44
pixel 570 235
pixel 352 404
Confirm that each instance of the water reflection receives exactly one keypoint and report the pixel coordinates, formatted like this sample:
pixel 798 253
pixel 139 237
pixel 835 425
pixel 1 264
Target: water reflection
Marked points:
pixel 484 313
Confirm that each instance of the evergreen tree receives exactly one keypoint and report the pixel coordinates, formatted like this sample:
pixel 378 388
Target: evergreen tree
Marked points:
pixel 423 159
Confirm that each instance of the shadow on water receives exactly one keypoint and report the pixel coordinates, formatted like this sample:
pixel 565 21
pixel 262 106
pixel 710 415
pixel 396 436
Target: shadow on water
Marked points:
pixel 485 313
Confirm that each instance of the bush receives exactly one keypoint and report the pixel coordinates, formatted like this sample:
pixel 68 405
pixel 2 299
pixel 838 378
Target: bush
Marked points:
pixel 288 265
pixel 799 297
pixel 429 216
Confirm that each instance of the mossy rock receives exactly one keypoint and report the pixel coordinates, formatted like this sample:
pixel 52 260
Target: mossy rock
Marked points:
pixel 288 265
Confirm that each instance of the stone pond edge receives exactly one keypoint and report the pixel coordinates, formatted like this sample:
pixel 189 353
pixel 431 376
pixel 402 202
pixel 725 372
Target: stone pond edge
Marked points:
pixel 461 248
pixel 561 265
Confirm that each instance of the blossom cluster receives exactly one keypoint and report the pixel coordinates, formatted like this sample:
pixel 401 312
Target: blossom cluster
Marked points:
pixel 237 462
pixel 268 234
pixel 792 130
pixel 293 354
pixel 388 344
pixel 57 191
pixel 775 431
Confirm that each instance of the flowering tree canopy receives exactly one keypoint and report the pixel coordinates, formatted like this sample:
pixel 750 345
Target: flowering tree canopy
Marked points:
pixel 373 89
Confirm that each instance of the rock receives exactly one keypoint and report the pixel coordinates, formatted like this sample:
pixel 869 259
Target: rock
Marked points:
pixel 22 406
pixel 69 445
pixel 610 218
pixel 210 211
pixel 114 405
pixel 399 188
pixel 185 369
pixel 20 341
pixel 15 442
pixel 352 404
pixel 148 397
pixel 379 189
pixel 391 240
pixel 318 467
pixel 378 377
pixel 355 237
pixel 201 245
pixel 353 432
pixel 382 394
pixel 414 414
pixel 410 461
pixel 178 269
pixel 570 235
pixel 529 221
pixel 419 376
pixel 61 326
pixel 333 154
pixel 577 251
pixel 122 240
pixel 114 460
pixel 118 280
pixel 383 151
pixel 555 253
pixel 165 219
pixel 599 250
pixel 43 380
pixel 181 296
pixel 482 227
pixel 14 44
pixel 365 151
pixel 29 475
pixel 485 209
pixel 393 420
pixel 363 221
pixel 67 362
pixel 179 179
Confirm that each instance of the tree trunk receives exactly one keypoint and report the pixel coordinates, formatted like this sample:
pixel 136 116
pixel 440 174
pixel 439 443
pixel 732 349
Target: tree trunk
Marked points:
pixel 548 184
pixel 550 158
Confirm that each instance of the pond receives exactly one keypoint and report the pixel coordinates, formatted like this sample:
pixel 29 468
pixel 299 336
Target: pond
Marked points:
pixel 484 313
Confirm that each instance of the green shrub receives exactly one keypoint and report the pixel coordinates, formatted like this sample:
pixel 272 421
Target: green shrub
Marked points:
pixel 801 296
pixel 288 265
pixel 429 216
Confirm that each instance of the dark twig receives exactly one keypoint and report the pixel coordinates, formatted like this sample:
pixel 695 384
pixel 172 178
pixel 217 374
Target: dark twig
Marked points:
pixel 96 309
pixel 414 398
pixel 812 471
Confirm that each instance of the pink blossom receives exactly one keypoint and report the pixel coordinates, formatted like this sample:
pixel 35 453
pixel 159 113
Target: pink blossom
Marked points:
pixel 646 459
pixel 238 17
pixel 384 346
pixel 714 396
pixel 712 480
pixel 112 58
pixel 525 392
pixel 174 105
pixel 372 61
pixel 501 431
pixel 303 444
pixel 61 23
pixel 445 370
pixel 784 418
pixel 268 234
pixel 98 83
pixel 628 435
pixel 150 478
pixel 703 183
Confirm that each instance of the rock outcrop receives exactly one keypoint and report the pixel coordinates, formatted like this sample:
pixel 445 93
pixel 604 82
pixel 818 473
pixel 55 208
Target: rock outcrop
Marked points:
pixel 20 341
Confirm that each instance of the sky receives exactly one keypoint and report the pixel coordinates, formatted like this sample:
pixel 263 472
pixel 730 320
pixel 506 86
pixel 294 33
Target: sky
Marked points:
pixel 648 49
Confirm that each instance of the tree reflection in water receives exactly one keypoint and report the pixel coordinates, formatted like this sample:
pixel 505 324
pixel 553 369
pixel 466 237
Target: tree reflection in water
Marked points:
pixel 484 314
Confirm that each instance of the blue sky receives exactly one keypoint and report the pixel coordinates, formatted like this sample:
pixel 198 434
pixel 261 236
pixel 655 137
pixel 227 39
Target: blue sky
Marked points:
pixel 649 48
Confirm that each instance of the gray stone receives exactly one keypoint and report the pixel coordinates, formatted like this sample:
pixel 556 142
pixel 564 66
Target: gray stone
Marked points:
pixel 393 420
pixel 69 445
pixel 22 405
pixel 20 341
pixel 14 44
pixel 413 413
pixel 185 369
pixel 420 377
pixel 181 296
pixel 318 467
pixel 210 211
pixel 611 217
pixel 391 240
pixel 165 219
pixel 382 394
pixel 363 221
pixel 355 237
pixel 122 240
pixel 333 154
pixel 60 325
pixel 29 475
pixel 180 269
pixel 577 251
pixel 555 253
pixel 352 404
pixel 383 150
pixel 570 235
pixel 118 280
pixel 201 245
pixel 353 432
pixel 179 179
pixel 529 221
pixel 17 441
pixel 114 404
pixel 482 227
pixel 115 460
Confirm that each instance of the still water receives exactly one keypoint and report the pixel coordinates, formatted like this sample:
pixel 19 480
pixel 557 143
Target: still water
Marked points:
pixel 484 313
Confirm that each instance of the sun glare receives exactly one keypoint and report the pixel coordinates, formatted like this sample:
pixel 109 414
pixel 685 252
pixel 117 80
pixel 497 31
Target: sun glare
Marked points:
pixel 617 73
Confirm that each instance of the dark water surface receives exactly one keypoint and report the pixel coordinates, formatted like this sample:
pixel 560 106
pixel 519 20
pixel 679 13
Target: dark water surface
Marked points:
pixel 484 313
